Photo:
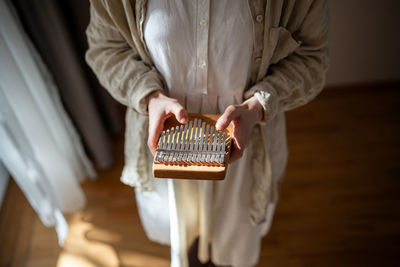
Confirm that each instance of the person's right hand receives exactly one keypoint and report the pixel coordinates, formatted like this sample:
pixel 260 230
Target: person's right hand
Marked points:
pixel 160 108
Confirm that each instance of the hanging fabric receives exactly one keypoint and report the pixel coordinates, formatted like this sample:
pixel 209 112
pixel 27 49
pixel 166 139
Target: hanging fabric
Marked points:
pixel 38 144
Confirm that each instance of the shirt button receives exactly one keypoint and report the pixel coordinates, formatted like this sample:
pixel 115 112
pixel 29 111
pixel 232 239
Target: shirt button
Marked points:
pixel 259 18
pixel 203 23
pixel 202 63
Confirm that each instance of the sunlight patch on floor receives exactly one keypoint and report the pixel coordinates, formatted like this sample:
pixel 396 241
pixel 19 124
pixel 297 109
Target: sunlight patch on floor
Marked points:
pixel 79 250
pixel 88 245
pixel 67 260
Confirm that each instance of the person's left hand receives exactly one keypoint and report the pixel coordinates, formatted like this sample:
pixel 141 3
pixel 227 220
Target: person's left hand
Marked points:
pixel 243 118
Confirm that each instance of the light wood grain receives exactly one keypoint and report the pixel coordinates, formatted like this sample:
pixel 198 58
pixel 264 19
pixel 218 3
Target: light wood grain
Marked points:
pixel 195 172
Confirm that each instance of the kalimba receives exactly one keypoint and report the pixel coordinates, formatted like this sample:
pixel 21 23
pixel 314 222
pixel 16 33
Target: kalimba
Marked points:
pixel 196 150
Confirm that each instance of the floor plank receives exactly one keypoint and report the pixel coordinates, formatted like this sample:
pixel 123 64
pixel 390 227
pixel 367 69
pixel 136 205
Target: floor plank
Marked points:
pixel 16 217
pixel 339 200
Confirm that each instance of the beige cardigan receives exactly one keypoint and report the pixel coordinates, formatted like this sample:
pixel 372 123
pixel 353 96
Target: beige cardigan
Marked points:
pixel 289 61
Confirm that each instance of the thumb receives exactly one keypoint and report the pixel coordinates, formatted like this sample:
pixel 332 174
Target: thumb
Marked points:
pixel 180 113
pixel 230 114
pixel 155 129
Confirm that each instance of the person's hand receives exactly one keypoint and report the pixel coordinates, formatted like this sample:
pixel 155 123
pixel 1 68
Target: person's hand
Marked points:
pixel 243 118
pixel 160 108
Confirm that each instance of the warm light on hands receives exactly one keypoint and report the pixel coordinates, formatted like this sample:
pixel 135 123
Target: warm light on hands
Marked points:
pixel 160 108
pixel 243 118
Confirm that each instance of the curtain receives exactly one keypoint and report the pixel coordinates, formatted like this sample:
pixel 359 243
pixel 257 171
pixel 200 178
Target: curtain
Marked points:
pixel 38 144
pixel 57 30
pixel 4 177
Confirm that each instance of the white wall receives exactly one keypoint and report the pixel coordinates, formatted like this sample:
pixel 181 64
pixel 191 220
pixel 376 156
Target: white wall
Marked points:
pixel 365 41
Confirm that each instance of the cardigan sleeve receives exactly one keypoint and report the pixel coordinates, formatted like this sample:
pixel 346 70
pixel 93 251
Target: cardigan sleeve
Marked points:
pixel 299 77
pixel 116 63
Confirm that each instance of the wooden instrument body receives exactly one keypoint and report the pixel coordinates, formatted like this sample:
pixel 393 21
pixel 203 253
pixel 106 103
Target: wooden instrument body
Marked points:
pixel 195 172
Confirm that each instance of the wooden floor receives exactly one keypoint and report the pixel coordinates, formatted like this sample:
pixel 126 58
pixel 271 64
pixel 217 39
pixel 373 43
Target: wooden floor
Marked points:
pixel 340 200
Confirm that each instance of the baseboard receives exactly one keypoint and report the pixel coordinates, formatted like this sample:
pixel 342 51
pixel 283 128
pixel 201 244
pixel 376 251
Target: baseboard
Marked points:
pixel 393 84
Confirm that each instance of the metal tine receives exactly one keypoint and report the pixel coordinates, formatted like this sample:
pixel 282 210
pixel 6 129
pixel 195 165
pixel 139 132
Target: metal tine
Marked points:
pixel 168 148
pixel 218 157
pixel 167 138
pixel 200 150
pixel 209 145
pixel 196 140
pixel 165 150
pixel 223 148
pixel 196 134
pixel 199 141
pixel 196 143
pixel 170 144
pixel 206 142
pixel 177 144
pixel 182 143
pixel 192 137
pixel 214 148
pixel 193 142
pixel 182 146
pixel 164 145
pixel 173 144
pixel 187 142
pixel 171 153
pixel 221 152
pixel 159 147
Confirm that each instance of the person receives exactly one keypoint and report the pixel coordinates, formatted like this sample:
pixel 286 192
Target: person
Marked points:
pixel 248 60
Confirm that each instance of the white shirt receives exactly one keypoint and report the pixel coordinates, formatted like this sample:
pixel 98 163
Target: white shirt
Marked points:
pixel 195 45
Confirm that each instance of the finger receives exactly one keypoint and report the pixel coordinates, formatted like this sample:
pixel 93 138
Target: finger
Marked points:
pixel 230 114
pixel 240 135
pixel 180 113
pixel 236 154
pixel 155 129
